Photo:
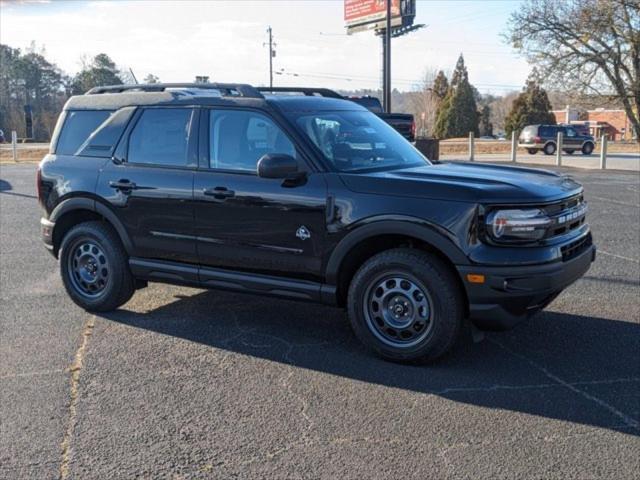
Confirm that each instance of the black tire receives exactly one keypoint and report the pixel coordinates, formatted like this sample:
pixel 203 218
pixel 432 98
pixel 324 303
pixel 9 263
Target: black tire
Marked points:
pixel 587 148
pixel 532 151
pixel 549 148
pixel 94 267
pixel 570 151
pixel 441 295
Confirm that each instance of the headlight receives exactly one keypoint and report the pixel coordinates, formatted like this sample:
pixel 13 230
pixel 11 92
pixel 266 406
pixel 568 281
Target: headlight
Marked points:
pixel 524 225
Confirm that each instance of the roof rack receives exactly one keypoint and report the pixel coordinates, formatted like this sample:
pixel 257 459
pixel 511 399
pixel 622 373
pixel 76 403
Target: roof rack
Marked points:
pixel 226 89
pixel 310 92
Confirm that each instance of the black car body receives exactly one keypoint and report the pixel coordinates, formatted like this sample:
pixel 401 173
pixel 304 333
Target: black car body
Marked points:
pixel 311 196
pixel 545 138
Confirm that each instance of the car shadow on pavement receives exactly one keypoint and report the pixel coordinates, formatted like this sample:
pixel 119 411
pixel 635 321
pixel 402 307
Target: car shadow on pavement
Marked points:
pixel 567 367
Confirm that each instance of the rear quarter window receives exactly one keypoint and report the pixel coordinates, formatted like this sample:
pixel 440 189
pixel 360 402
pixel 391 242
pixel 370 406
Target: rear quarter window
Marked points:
pixel 77 128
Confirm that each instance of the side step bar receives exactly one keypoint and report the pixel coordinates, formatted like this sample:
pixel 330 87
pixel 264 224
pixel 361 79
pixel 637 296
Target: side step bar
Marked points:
pixel 205 277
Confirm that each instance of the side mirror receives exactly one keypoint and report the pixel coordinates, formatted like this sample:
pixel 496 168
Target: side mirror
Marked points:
pixel 278 165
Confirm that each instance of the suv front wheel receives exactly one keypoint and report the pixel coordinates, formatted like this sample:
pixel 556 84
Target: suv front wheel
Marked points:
pixel 94 267
pixel 406 305
pixel 587 148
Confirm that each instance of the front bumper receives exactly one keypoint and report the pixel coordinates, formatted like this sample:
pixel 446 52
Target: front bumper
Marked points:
pixel 510 295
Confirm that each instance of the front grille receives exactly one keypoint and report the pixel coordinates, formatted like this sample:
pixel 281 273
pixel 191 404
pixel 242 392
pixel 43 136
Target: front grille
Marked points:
pixel 567 215
pixel 576 247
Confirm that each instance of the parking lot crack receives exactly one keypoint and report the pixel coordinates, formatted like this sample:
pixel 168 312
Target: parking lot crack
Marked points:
pixel 628 421
pixel 74 382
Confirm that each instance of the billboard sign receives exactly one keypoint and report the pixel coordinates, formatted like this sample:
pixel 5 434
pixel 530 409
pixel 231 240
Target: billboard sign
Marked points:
pixel 372 14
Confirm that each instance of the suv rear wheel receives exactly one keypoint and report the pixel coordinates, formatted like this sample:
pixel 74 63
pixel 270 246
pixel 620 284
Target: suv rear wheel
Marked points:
pixel 549 148
pixel 94 267
pixel 406 306
pixel 587 148
pixel 532 151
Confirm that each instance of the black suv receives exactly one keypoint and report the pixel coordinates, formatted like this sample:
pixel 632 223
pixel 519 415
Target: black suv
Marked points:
pixel 545 138
pixel 302 197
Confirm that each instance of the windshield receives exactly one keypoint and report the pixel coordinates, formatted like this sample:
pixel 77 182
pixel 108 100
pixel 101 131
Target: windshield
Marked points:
pixel 354 141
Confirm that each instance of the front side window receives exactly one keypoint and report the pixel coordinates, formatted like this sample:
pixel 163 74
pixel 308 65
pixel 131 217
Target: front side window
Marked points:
pixel 239 138
pixel 358 141
pixel 161 137
pixel 77 128
pixel 571 132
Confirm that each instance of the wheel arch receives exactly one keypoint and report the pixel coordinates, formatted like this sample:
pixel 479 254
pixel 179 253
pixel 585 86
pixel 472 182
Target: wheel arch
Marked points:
pixel 76 210
pixel 366 241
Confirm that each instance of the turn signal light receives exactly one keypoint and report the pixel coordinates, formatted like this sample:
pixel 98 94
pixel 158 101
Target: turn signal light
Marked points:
pixel 475 278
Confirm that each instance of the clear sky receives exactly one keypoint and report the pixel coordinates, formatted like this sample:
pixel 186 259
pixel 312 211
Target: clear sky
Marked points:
pixel 224 39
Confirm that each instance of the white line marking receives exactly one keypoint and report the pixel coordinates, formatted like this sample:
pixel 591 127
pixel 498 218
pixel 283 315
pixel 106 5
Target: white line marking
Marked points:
pixel 617 202
pixel 30 374
pixel 629 421
pixel 618 256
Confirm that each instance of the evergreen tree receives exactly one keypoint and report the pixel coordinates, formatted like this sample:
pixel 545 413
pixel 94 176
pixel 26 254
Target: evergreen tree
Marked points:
pixel 458 113
pixel 28 79
pixel 101 71
pixel 486 127
pixel 440 85
pixel 531 107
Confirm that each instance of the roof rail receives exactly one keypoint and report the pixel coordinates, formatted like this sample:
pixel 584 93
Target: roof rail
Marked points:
pixel 226 89
pixel 323 92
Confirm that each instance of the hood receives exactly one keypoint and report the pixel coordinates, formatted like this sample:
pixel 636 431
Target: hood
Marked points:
pixel 467 182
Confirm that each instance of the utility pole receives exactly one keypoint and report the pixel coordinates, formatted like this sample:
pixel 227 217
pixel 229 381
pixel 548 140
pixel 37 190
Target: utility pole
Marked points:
pixel 272 53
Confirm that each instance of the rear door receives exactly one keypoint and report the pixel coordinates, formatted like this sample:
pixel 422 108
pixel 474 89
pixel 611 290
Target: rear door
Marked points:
pixel 150 184
pixel 245 222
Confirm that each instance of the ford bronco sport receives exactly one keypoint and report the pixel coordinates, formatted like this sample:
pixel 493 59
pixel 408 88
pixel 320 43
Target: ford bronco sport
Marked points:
pixel 296 196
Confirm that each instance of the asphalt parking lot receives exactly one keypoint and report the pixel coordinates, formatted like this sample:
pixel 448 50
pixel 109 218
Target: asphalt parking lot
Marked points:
pixel 186 383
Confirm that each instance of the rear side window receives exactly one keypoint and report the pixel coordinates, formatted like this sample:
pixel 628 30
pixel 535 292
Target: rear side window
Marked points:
pixel 161 137
pixel 77 128
pixel 103 140
pixel 547 131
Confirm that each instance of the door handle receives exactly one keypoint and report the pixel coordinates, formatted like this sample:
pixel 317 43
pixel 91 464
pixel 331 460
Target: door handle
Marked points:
pixel 219 193
pixel 123 185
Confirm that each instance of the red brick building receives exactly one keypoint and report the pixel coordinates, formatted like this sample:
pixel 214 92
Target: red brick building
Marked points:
pixel 611 122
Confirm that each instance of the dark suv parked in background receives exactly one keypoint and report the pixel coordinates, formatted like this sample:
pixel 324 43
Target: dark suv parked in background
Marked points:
pixel 545 138
pixel 302 197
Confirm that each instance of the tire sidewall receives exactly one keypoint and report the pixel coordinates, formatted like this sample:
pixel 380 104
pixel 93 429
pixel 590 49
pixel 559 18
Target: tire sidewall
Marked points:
pixel 587 149
pixel 71 240
pixel 442 313
pixel 549 149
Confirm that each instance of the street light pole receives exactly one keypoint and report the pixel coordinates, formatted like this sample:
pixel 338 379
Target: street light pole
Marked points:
pixel 387 62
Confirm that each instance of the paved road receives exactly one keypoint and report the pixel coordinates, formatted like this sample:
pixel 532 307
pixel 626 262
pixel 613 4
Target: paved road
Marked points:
pixel 185 383
pixel 615 161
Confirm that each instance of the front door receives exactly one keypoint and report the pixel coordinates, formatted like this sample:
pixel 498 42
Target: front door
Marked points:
pixel 571 139
pixel 245 222
pixel 150 185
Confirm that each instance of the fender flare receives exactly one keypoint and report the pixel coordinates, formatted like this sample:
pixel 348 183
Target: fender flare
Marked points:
pixel 411 227
pixel 84 203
